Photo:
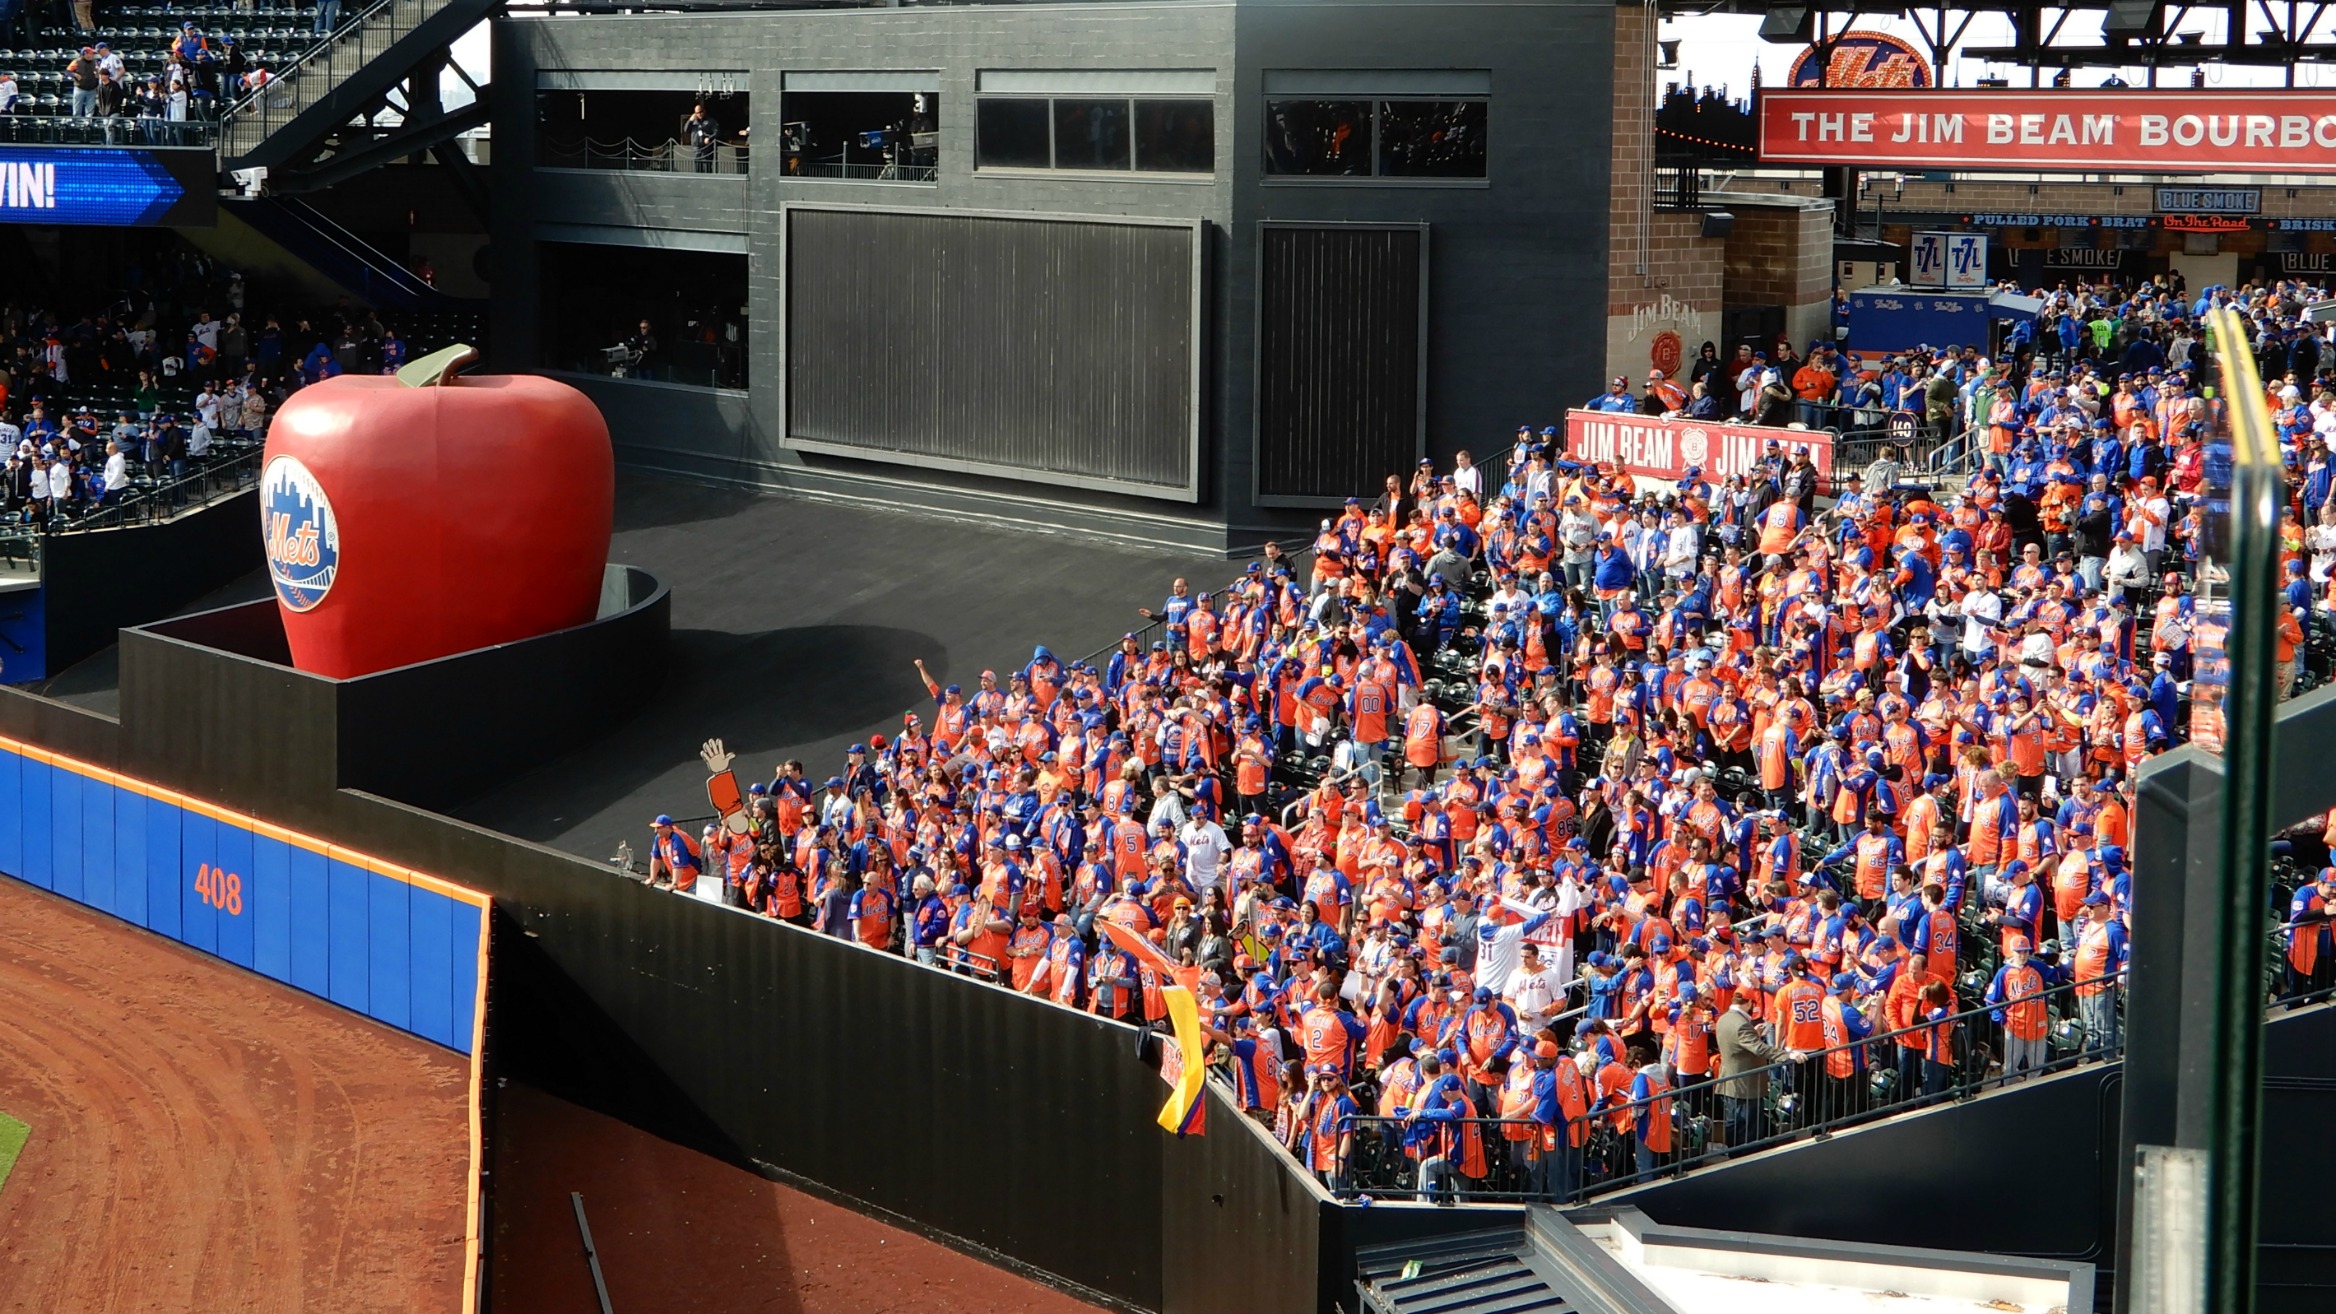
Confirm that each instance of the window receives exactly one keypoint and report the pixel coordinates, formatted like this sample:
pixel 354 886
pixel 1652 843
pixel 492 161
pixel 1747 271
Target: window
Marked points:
pixel 1096 133
pixel 1431 138
pixel 1318 138
pixel 1012 134
pixel 1090 134
pixel 1176 136
pixel 1408 138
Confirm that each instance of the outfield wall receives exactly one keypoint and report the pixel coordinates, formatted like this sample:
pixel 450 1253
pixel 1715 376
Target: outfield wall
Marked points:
pixel 399 946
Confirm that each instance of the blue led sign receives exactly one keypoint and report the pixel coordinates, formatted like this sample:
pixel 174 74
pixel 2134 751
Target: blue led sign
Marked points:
pixel 89 185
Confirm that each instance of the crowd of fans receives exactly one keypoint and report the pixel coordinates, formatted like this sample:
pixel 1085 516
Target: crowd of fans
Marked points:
pixel 169 372
pixel 2091 339
pixel 1492 869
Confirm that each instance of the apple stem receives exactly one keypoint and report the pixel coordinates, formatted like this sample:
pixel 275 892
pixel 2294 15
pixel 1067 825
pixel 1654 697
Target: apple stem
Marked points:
pixel 437 367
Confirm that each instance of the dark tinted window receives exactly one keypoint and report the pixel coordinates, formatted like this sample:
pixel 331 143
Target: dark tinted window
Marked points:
pixel 1431 138
pixel 1011 134
pixel 1176 136
pixel 1090 134
pixel 1318 138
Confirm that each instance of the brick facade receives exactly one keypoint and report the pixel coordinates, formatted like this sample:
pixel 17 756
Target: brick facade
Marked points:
pixel 1783 256
pixel 1667 284
pixel 1663 314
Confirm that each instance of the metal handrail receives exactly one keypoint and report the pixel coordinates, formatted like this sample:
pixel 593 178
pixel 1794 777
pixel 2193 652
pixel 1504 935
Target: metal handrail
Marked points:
pixel 1797 1110
pixel 655 157
pixel 281 100
pixel 832 170
pixel 300 61
pixel 1959 454
pixel 1382 1167
pixel 156 502
pixel 37 129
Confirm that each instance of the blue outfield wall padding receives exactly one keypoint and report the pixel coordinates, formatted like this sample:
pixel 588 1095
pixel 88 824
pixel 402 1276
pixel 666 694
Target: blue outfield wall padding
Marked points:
pixel 464 947
pixel 39 837
pixel 268 898
pixel 233 899
pixel 12 818
pixel 398 946
pixel 431 974
pixel 198 848
pixel 129 854
pixel 348 914
pixel 100 876
pixel 311 933
pixel 391 962
pixel 65 835
pixel 164 913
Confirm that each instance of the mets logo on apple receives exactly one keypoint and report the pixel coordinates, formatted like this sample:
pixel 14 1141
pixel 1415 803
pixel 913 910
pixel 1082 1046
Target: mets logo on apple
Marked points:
pixel 303 541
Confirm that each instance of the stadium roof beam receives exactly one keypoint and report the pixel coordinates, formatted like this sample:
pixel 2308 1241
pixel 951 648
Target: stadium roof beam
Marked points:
pixel 357 156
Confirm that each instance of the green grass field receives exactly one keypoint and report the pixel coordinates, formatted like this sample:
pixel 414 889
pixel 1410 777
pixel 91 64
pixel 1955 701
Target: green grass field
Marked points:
pixel 13 1135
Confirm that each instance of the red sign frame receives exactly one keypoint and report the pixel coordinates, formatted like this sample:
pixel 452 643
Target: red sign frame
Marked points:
pixel 2269 131
pixel 1658 448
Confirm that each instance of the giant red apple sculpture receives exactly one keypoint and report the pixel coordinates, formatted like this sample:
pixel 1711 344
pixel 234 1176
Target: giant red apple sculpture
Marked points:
pixel 413 516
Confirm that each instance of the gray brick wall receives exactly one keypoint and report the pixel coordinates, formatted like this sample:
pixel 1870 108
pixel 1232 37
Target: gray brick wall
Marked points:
pixel 1517 267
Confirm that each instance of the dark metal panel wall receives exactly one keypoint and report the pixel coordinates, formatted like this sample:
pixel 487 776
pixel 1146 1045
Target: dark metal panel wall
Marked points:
pixel 96 583
pixel 237 731
pixel 558 692
pixel 1234 1196
pixel 967 1110
pixel 1955 1153
pixel 1339 388
pixel 60 727
pixel 1057 349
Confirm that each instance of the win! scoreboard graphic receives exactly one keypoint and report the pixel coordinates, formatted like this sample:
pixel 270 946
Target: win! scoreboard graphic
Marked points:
pixel 111 186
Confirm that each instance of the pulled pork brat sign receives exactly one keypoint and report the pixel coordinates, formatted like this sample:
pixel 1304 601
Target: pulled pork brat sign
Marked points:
pixel 2158 131
pixel 1665 449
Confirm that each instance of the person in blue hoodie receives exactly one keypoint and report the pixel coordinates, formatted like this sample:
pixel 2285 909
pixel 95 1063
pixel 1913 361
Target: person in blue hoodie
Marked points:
pixel 2071 333
pixel 318 365
pixel 1610 569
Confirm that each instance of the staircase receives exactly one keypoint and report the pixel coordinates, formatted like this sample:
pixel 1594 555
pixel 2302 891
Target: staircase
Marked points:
pixel 1534 1264
pixel 344 260
pixel 335 80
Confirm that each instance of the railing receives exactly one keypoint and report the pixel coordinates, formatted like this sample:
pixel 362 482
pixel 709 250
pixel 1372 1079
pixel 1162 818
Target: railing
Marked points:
pixel 1678 187
pixel 1803 1101
pixel 29 129
pixel 148 502
pixel 1962 454
pixel 655 157
pixel 309 76
pixel 20 548
pixel 909 173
